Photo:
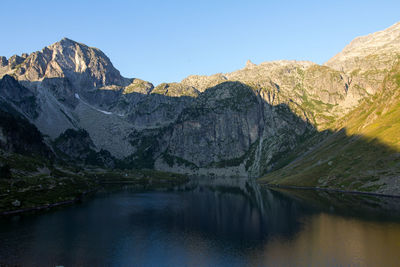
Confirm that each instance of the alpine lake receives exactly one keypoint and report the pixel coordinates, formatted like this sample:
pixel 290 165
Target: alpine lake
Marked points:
pixel 208 222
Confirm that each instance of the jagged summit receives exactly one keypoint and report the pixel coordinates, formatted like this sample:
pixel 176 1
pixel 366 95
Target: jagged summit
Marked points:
pixel 66 39
pixel 85 67
pixel 240 123
pixel 67 42
pixel 383 44
pixel 250 64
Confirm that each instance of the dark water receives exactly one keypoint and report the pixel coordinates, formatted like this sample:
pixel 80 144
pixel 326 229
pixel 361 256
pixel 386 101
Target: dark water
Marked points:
pixel 209 222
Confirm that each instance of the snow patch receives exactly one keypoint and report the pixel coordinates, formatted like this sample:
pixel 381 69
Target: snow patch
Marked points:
pixel 102 111
pixel 105 112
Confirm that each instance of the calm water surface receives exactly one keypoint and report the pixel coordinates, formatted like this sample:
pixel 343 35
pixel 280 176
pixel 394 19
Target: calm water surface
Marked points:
pixel 209 222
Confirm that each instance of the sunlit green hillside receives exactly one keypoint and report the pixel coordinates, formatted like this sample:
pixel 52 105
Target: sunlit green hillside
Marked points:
pixel 362 152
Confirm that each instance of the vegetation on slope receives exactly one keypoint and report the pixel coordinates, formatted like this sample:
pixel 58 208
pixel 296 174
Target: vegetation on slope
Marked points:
pixel 29 183
pixel 33 177
pixel 35 181
pixel 362 152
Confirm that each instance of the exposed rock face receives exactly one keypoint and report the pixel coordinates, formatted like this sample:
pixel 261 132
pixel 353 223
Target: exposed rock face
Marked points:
pixel 139 86
pixel 19 96
pixel 367 59
pixel 201 82
pixel 239 123
pixel 85 67
pixel 381 47
pixel 314 92
pixel 220 125
pixel 3 61
pixel 18 135
pixel 175 90
pixel 362 156
pixel 77 146
pixel 225 132
pixel 250 64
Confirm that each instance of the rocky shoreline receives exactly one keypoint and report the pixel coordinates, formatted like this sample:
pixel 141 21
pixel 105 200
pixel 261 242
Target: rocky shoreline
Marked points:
pixel 47 206
pixel 144 179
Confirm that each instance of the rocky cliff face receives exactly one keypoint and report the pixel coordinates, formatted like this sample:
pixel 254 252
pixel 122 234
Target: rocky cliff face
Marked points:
pixel 85 67
pixel 380 47
pixel 19 96
pixel 367 59
pixel 18 135
pixel 360 154
pixel 241 123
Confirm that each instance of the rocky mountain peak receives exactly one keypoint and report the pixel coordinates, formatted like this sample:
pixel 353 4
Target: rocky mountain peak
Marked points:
pixel 250 64
pixel 202 82
pixel 238 123
pixel 381 45
pixel 8 81
pixel 83 66
pixel 3 61
pixel 139 86
pixel 68 43
pixel 65 39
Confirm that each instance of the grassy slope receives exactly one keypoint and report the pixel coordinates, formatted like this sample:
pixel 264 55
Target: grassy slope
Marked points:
pixel 362 154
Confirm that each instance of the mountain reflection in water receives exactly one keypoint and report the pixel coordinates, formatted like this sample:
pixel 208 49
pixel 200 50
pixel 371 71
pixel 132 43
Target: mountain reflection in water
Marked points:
pixel 209 221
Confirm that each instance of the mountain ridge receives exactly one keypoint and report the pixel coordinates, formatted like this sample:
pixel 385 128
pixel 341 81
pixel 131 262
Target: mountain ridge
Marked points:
pixel 243 123
pixel 381 42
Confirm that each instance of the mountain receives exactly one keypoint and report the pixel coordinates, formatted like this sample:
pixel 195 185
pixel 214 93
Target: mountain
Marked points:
pixel 379 48
pixel 363 153
pixel 261 119
pixel 85 67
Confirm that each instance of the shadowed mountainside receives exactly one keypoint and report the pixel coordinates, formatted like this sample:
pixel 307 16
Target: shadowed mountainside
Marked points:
pixel 193 141
pixel 319 125
pixel 327 159
pixel 364 154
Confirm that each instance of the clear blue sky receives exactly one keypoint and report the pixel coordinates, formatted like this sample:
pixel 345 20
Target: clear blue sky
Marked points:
pixel 165 41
